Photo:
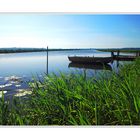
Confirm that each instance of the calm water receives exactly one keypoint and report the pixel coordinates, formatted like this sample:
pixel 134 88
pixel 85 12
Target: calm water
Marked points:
pixel 26 65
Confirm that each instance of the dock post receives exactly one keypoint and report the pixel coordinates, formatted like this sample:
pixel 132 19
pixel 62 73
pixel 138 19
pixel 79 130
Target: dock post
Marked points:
pixel 47 60
pixel 112 54
pixel 117 56
pixel 118 52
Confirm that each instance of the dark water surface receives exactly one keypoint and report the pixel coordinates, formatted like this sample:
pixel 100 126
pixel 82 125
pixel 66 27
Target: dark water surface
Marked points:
pixel 18 68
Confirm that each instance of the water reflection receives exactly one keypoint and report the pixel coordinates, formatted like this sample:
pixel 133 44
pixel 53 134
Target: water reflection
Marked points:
pixel 91 66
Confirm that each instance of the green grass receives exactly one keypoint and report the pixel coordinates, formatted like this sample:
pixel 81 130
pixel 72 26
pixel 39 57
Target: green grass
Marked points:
pixel 77 100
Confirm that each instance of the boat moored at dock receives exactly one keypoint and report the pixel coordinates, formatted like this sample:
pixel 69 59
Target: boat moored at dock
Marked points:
pixel 87 59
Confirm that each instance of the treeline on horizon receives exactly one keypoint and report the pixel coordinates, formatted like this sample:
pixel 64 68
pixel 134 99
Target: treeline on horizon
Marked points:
pixel 20 50
pixel 15 50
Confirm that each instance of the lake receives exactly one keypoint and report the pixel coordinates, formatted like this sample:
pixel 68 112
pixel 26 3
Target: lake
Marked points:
pixel 16 69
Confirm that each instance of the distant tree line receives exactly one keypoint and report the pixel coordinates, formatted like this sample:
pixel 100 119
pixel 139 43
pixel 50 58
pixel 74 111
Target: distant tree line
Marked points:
pixel 21 50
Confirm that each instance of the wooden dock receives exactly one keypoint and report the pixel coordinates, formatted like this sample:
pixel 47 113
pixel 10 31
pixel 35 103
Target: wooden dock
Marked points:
pixel 119 57
pixel 124 58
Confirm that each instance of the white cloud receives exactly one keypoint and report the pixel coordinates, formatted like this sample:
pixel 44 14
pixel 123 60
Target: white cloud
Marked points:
pixel 22 42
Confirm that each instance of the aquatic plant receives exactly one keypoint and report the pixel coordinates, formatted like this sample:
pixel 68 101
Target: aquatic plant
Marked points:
pixel 75 99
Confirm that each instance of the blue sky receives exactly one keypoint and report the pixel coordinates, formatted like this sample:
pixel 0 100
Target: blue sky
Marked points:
pixel 69 31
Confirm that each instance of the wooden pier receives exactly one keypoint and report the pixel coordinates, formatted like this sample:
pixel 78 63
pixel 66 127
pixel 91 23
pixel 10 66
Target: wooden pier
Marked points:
pixel 123 57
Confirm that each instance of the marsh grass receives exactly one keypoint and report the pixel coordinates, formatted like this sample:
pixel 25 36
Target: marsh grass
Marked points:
pixel 78 100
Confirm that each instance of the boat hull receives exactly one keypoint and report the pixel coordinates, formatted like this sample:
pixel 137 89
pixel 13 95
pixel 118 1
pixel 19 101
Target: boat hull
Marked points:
pixel 90 60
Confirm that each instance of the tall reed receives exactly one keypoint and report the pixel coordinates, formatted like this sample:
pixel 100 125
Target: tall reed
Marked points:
pixel 76 100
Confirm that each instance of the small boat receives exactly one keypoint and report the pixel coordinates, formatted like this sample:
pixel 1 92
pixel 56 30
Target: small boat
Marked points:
pixel 91 66
pixel 87 59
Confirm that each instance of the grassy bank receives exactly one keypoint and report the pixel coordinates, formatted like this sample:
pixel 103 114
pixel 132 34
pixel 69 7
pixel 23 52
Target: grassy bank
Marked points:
pixel 76 100
pixel 123 50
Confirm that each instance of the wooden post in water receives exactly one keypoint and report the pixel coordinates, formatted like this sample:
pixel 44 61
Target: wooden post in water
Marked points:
pixel 118 52
pixel 112 54
pixel 47 60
